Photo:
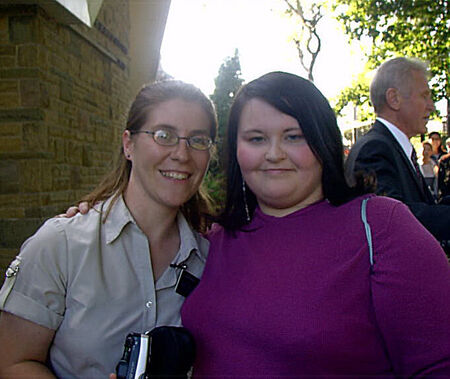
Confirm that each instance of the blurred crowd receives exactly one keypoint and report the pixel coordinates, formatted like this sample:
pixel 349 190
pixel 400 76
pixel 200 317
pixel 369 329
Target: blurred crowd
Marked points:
pixel 436 166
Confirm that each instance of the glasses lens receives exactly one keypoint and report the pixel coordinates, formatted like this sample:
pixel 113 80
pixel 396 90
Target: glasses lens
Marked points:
pixel 165 138
pixel 200 142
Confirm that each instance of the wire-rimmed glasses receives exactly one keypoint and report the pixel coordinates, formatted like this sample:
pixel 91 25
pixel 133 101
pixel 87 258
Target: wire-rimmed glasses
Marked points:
pixel 166 137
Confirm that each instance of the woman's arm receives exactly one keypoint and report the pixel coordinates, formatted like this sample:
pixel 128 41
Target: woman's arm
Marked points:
pixel 411 295
pixel 23 348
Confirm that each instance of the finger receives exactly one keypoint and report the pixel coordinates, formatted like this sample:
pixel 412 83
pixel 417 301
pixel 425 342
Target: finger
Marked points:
pixel 72 211
pixel 83 207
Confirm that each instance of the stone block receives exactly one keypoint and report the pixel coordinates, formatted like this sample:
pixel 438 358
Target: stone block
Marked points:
pixel 88 157
pixel 22 29
pixel 46 178
pixel 4 29
pixel 30 175
pixel 75 177
pixel 30 94
pixel 10 200
pixel 66 91
pixel 45 97
pixel 58 149
pixel 7 61
pixel 9 86
pixel 19 73
pixel 9 177
pixel 27 55
pixel 9 100
pixel 42 58
pixel 13 232
pixel 10 144
pixel 12 212
pixel 35 136
pixel 17 115
pixel 11 129
pixel 8 50
pixel 74 153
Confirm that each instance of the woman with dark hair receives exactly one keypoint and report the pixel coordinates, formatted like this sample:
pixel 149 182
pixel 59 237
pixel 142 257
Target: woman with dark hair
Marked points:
pixel 436 143
pixel 80 285
pixel 307 275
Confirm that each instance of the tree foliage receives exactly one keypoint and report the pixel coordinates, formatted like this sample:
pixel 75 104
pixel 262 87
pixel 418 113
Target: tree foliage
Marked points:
pixel 227 83
pixel 415 28
pixel 357 95
pixel 307 40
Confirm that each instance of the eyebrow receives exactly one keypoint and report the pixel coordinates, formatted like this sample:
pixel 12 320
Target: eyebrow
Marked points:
pixel 294 128
pixel 174 129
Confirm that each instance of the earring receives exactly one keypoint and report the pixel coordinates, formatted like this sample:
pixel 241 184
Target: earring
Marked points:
pixel 247 213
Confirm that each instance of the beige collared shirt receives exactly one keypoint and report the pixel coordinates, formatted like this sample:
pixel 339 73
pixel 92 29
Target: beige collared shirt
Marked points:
pixel 92 282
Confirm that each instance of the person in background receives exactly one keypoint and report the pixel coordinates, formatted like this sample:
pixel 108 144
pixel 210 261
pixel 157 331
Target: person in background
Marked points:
pixel 80 285
pixel 296 283
pixel 429 168
pixel 444 176
pixel 436 143
pixel 402 100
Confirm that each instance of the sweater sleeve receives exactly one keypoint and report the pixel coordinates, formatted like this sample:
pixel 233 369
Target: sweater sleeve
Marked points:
pixel 411 295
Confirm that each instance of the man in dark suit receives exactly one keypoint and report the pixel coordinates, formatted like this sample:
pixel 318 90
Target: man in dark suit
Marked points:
pixel 401 97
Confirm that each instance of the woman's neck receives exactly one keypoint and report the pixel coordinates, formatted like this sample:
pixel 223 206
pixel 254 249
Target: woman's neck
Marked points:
pixel 153 219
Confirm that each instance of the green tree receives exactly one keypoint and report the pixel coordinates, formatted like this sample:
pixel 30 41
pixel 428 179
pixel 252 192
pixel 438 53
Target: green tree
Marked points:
pixel 416 28
pixel 228 82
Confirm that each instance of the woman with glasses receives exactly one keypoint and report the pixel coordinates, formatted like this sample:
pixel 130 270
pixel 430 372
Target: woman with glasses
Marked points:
pixel 80 285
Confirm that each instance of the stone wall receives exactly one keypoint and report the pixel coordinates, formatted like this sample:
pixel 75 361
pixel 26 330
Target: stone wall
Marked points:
pixel 64 94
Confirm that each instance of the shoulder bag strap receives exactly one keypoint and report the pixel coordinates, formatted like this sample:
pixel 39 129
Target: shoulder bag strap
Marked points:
pixel 368 230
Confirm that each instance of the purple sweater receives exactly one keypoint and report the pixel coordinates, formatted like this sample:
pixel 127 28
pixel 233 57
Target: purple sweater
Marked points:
pixel 295 296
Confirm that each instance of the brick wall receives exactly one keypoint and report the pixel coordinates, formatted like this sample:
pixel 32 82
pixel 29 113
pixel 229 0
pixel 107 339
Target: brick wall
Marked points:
pixel 64 94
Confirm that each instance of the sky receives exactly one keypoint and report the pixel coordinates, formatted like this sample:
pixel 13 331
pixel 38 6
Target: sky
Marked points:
pixel 200 34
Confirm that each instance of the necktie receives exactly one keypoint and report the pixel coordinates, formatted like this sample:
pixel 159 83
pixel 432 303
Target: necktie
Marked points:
pixel 415 164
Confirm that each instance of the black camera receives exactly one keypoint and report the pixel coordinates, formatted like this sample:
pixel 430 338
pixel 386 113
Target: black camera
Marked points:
pixel 166 351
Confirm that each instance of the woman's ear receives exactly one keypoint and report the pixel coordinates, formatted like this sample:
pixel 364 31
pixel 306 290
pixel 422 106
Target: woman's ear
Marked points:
pixel 127 144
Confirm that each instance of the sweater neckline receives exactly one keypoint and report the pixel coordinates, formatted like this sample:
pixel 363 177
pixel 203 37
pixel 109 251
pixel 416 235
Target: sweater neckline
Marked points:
pixel 259 214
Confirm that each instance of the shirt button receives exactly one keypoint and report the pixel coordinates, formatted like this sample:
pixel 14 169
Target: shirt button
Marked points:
pixel 148 304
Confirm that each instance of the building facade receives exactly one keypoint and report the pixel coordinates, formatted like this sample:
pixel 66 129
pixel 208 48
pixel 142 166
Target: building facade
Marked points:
pixel 65 87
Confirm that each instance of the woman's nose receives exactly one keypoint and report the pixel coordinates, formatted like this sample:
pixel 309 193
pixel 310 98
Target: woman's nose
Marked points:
pixel 275 152
pixel 180 151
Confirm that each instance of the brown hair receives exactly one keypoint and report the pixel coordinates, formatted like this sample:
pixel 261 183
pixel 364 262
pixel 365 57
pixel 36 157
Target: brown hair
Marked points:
pixel 196 209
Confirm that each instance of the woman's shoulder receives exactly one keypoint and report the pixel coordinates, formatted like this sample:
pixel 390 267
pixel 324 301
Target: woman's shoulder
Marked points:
pixel 381 203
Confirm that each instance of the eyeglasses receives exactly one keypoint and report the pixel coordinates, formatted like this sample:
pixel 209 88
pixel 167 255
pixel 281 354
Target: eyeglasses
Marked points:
pixel 166 137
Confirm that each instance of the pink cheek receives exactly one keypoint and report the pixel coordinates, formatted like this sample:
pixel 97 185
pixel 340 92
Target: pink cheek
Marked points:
pixel 247 158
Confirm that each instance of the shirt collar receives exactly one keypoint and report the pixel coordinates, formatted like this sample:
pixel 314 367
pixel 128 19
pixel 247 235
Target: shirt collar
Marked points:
pixel 120 216
pixel 401 137
pixel 117 219
pixel 188 242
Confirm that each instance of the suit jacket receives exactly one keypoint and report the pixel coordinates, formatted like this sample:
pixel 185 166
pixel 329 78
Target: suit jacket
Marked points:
pixel 378 151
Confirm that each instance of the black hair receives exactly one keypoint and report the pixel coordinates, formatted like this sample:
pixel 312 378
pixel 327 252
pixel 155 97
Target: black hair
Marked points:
pixel 300 99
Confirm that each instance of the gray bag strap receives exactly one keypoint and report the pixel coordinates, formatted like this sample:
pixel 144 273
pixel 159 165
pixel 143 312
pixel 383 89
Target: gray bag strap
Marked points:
pixel 368 230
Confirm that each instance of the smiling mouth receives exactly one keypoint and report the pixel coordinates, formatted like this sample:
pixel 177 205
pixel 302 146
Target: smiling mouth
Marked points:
pixel 277 170
pixel 175 175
